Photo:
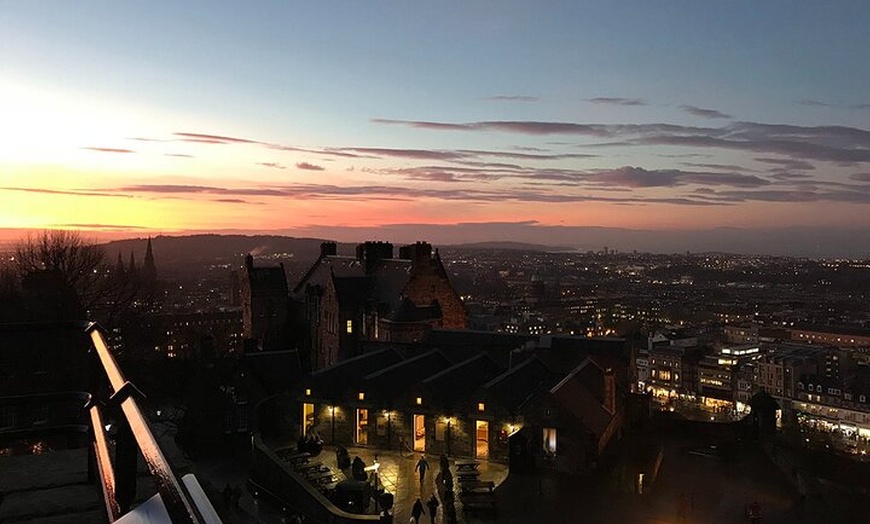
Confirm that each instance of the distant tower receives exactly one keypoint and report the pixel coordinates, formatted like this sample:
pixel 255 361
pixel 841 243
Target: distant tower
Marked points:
pixel 132 267
pixel 119 268
pixel 149 270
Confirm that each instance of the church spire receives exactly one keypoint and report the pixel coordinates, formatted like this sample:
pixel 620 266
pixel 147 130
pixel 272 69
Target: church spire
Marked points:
pixel 149 269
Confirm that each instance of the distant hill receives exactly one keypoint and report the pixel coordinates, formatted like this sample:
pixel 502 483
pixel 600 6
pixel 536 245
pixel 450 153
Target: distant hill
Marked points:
pixel 512 246
pixel 179 252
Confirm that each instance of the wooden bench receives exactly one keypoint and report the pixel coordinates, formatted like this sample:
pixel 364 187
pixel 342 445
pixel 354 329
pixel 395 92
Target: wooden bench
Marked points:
pixel 467 476
pixel 311 467
pixel 320 477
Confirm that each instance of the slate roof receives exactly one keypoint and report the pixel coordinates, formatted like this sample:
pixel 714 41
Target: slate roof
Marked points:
pixel 397 378
pixel 515 386
pixel 331 382
pixel 352 292
pixel 581 393
pixel 459 381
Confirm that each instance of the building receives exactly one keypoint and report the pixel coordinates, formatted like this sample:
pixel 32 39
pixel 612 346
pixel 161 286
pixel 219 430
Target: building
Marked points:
pixel 265 306
pixel 565 406
pixel 841 336
pixel 374 296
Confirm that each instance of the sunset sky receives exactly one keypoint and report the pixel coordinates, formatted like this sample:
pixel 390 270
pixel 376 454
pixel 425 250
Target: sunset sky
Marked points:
pixel 165 117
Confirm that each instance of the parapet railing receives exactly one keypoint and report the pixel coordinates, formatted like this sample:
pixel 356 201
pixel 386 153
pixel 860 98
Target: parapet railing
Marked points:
pixel 118 476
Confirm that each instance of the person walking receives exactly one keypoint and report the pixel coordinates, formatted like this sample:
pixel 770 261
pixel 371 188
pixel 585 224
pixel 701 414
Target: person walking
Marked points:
pixel 432 504
pixel 417 511
pixel 422 466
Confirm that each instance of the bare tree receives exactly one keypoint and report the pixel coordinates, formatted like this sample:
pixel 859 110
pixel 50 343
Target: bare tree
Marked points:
pixel 107 294
pixel 79 264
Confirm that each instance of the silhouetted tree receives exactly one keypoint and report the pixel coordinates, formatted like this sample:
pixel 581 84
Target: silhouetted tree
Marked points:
pixel 103 292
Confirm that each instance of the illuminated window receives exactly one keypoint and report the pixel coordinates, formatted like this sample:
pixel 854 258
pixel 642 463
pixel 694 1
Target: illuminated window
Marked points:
pixel 361 396
pixel 350 326
pixel 307 392
pixel 419 401
pixel 550 441
pixel 481 406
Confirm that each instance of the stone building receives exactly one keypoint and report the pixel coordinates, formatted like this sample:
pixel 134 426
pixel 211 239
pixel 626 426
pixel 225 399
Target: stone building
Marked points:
pixel 265 305
pixel 374 296
pixel 565 410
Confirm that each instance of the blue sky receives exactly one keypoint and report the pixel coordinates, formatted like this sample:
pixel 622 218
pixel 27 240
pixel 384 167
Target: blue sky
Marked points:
pixel 750 113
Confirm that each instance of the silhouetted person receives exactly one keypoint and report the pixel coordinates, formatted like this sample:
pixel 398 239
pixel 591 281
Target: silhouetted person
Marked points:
pixel 432 504
pixel 417 511
pixel 422 466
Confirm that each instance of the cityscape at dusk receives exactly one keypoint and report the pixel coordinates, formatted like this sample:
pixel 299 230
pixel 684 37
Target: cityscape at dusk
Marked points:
pixel 458 263
pixel 320 120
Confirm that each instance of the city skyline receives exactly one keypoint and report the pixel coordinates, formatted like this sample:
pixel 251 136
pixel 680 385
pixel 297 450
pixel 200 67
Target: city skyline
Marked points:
pixel 516 119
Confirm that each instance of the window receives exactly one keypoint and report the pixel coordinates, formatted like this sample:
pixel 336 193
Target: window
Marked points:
pixel 307 418
pixel 419 401
pixel 550 442
pixel 481 406
pixel 350 326
pixel 361 396
pixel 862 398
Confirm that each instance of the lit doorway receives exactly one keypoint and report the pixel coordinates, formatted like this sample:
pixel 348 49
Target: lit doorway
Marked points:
pixel 481 432
pixel 362 426
pixel 419 433
pixel 307 419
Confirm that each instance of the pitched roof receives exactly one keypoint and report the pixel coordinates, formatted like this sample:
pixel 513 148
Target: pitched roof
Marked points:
pixel 515 386
pixel 392 380
pixel 459 381
pixel 581 394
pixel 338 378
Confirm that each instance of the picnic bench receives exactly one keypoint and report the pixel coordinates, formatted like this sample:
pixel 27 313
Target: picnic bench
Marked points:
pixel 477 486
pixel 318 477
pixel 467 476
pixel 467 466
pixel 311 467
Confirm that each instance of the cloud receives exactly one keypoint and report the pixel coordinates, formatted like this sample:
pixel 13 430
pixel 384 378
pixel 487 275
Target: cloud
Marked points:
pixel 811 102
pixel 618 101
pixel 860 177
pixel 70 192
pixel 234 201
pixel 705 113
pixel 788 163
pixel 861 106
pixel 102 226
pixel 308 167
pixel 273 165
pixel 178 155
pixel 512 98
pixel 108 150
pixel 214 139
pixel 636 177
pixel 727 167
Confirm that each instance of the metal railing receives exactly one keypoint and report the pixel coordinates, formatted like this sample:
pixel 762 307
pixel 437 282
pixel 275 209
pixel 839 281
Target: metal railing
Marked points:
pixel 118 477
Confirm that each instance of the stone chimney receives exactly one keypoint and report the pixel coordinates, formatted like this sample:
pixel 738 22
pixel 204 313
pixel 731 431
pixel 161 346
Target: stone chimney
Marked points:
pixel 371 253
pixel 328 249
pixel 418 253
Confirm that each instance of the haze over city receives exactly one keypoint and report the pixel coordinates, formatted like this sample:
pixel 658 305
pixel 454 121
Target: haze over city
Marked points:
pixel 475 122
